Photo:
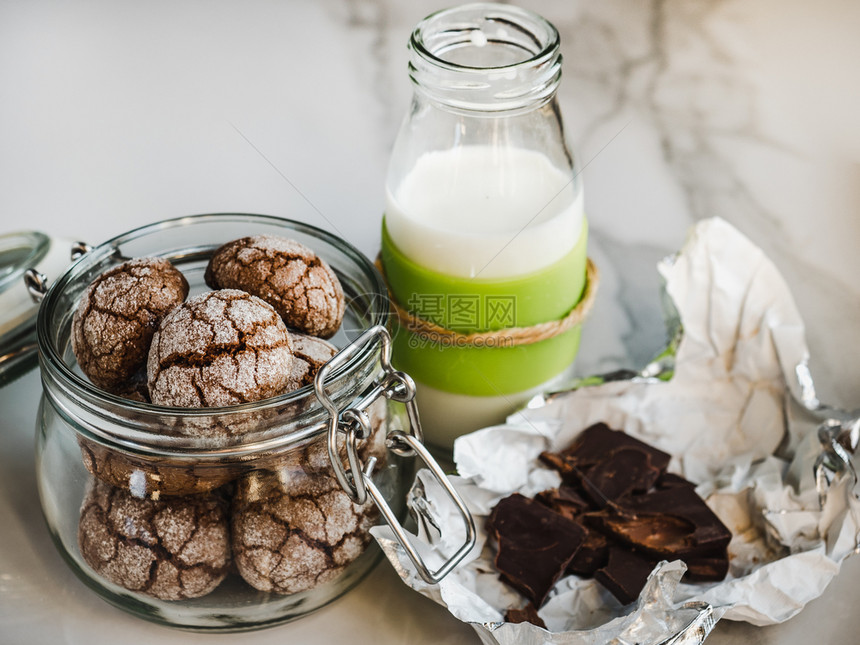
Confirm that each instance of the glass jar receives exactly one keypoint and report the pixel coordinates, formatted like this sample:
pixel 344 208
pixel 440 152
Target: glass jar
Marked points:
pixel 484 228
pixel 223 530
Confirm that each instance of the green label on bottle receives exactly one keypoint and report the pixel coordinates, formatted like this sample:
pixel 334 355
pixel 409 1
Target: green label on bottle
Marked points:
pixel 493 367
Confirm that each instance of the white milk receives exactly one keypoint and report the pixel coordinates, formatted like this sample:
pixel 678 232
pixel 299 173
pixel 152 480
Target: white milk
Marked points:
pixel 485 212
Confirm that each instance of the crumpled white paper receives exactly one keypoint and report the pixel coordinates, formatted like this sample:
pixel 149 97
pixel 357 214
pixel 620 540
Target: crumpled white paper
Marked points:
pixel 723 417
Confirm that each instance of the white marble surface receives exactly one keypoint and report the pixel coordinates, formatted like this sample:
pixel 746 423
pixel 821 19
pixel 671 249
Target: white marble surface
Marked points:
pixel 117 114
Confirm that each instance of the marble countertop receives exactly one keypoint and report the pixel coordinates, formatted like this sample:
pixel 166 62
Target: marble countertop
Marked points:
pixel 118 114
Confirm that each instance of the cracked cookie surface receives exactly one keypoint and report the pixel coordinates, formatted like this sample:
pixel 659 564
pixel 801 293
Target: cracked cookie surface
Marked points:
pixel 171 549
pixel 219 348
pixel 293 530
pixel 165 477
pixel 117 316
pixel 152 478
pixel 309 355
pixel 299 284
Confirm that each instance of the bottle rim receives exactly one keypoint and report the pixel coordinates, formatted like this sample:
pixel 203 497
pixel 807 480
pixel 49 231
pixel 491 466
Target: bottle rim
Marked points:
pixel 524 83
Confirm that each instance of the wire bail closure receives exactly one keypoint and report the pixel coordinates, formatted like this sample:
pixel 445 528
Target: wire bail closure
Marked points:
pixel 353 425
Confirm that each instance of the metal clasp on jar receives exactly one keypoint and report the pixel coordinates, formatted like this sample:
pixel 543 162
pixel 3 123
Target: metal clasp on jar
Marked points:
pixel 353 423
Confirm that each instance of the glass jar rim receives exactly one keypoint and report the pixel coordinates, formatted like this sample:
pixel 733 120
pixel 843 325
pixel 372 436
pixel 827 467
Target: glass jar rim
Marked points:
pixel 483 79
pixel 490 11
pixel 58 371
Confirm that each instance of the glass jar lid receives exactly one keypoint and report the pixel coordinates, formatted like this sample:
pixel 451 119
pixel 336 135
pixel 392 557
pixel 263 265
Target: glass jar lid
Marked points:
pixel 19 252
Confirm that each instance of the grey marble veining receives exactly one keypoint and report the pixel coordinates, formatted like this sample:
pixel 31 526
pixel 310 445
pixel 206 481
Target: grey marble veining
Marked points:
pixel 673 109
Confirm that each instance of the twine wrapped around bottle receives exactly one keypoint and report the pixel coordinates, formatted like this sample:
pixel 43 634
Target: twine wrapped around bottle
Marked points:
pixel 508 336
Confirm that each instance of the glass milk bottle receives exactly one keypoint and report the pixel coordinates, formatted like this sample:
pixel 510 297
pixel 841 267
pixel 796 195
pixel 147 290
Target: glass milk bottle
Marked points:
pixel 484 235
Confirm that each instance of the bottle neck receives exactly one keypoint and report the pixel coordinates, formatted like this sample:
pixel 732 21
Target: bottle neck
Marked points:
pixel 485 59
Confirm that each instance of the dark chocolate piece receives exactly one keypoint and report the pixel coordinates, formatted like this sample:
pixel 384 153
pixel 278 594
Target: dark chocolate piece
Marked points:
pixel 591 556
pixel 608 464
pixel 625 573
pixel 707 567
pixel 563 466
pixel 535 545
pixel 596 442
pixel 671 480
pixel 632 513
pixel 528 614
pixel 563 500
pixel 672 523
pixel 594 550
pixel 709 534
pixel 627 470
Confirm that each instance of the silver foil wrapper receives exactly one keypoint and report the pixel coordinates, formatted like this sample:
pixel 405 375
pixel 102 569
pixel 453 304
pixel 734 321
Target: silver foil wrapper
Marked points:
pixel 733 400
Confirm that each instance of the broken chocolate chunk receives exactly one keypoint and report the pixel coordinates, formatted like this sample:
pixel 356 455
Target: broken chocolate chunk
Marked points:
pixel 527 614
pixel 671 480
pixel 595 548
pixel 632 514
pixel 672 523
pixel 709 534
pixel 535 545
pixel 608 464
pixel 564 500
pixel 708 567
pixel 597 442
pixel 705 568
pixel 627 470
pixel 591 556
pixel 557 462
pixel 625 573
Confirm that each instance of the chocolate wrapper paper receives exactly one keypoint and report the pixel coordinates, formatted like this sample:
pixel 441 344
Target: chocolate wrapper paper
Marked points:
pixel 733 402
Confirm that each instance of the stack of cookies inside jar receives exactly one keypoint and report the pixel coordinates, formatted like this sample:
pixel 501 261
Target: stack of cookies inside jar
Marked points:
pixel 174 530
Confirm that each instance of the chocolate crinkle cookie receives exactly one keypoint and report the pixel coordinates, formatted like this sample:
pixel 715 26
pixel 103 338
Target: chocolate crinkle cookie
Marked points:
pixel 309 355
pixel 171 549
pixel 118 315
pixel 301 287
pixel 293 531
pixel 152 478
pixel 219 348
